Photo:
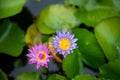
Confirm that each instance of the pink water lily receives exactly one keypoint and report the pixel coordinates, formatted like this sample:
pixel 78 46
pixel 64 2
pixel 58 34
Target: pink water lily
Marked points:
pixel 39 55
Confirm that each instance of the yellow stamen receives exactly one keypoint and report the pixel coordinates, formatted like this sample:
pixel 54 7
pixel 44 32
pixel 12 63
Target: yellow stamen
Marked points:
pixel 42 56
pixel 64 44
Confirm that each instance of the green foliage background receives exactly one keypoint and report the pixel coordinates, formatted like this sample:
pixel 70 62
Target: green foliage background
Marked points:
pixel 96 24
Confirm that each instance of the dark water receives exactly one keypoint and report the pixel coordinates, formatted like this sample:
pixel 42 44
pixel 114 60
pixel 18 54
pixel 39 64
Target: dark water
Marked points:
pixel 35 7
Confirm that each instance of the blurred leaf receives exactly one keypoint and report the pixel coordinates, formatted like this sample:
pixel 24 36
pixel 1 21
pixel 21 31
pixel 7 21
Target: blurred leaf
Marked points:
pixel 28 76
pixel 33 36
pixel 107 33
pixel 87 4
pixel 85 77
pixel 105 2
pixel 79 3
pixel 11 39
pixel 56 17
pixel 90 4
pixel 89 48
pixel 72 64
pixel 18 63
pixel 9 8
pixel 117 4
pixel 3 75
pixel 111 70
pixel 93 17
pixel 57 77
pixel 43 28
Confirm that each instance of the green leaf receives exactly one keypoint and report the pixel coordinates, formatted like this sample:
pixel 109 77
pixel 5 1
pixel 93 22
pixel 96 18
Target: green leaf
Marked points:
pixel 87 4
pixel 79 3
pixel 117 4
pixel 111 70
pixel 9 8
pixel 89 48
pixel 85 77
pixel 28 76
pixel 72 64
pixel 43 28
pixel 11 39
pixel 56 17
pixel 90 4
pixel 3 75
pixel 57 77
pixel 93 17
pixel 33 36
pixel 105 2
pixel 18 63
pixel 107 33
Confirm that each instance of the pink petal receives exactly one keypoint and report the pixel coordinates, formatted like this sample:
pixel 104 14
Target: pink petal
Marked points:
pixel 32 61
pixel 37 66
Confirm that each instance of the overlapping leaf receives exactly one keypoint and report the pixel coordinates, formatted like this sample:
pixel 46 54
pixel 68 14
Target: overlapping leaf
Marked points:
pixel 72 64
pixel 3 75
pixel 11 39
pixel 94 16
pixel 56 17
pixel 33 36
pixel 9 8
pixel 57 77
pixel 90 4
pixel 107 33
pixel 28 76
pixel 111 70
pixel 85 77
pixel 89 48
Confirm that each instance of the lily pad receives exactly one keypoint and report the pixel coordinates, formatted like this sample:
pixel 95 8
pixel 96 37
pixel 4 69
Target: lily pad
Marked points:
pixel 72 64
pixel 32 35
pixel 117 4
pixel 79 3
pixel 85 77
pixel 3 75
pixel 93 17
pixel 111 70
pixel 9 8
pixel 56 17
pixel 107 33
pixel 57 77
pixel 89 48
pixel 28 76
pixel 11 39
pixel 90 4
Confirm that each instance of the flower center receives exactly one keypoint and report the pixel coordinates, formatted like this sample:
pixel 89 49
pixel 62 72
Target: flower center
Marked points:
pixel 64 44
pixel 42 56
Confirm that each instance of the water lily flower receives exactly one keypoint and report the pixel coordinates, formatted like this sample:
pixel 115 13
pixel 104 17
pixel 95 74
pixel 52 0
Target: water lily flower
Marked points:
pixel 64 42
pixel 39 55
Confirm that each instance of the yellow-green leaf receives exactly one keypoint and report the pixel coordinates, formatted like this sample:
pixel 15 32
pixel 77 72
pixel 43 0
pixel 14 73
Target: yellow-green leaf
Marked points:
pixel 3 75
pixel 56 17
pixel 31 35
pixel 94 16
pixel 85 77
pixel 10 7
pixel 107 33
pixel 28 76
pixel 57 77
